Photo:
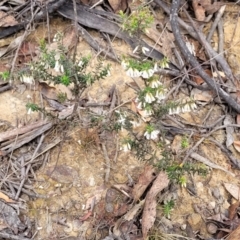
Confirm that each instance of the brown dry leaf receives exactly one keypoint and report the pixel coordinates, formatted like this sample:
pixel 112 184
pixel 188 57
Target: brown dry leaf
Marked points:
pixel 236 145
pixel 118 5
pixel 149 211
pixel 133 106
pixel 48 91
pixel 6 198
pixel 153 33
pixel 233 190
pixel 234 235
pixel 7 20
pixel 199 95
pixel 144 180
pixel 232 210
pixel 198 10
pixel 133 213
pixel 198 80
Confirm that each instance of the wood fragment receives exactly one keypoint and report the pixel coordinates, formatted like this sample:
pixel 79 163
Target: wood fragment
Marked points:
pixel 18 131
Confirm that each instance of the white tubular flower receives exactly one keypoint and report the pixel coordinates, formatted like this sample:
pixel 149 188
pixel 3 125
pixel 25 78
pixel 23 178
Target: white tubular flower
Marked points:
pixel 160 95
pixel 149 98
pixel 108 73
pixel 121 120
pixel 144 50
pixel 139 106
pixel 80 64
pixel 155 83
pixel 147 73
pixel 27 79
pixel 124 65
pixel 151 72
pixel 57 66
pixel 170 111
pixel 136 73
pixel 149 112
pixel 177 110
pixel 186 108
pixel 145 114
pixel 61 69
pixel 125 147
pixel 151 135
pixel 155 67
pixel 29 111
pixel 193 106
pixel 135 124
pixel 129 72
pixel 135 49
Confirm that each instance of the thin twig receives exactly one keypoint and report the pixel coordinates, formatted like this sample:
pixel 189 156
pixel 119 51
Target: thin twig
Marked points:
pixel 105 154
pixel 220 37
pixel 215 23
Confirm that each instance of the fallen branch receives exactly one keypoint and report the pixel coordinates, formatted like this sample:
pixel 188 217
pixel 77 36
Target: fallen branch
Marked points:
pixel 18 131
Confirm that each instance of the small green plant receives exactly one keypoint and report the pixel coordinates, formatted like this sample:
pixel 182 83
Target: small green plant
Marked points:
pixel 61 97
pixel 138 21
pixel 5 75
pixel 58 67
pixel 182 181
pixel 167 208
pixel 184 142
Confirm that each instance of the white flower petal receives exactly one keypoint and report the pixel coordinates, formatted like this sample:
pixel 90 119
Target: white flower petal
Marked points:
pixel 129 72
pixel 135 49
pixel 57 66
pixel 144 50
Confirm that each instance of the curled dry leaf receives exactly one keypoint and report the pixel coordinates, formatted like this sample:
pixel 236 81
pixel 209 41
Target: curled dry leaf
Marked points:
pixel 204 96
pixel 144 180
pixel 198 80
pixel 236 145
pixel 233 190
pixel 149 211
pixel 198 10
pixel 232 210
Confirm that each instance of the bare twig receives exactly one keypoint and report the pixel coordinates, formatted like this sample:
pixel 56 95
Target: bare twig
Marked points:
pixel 105 154
pixel 215 23
pixel 220 37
